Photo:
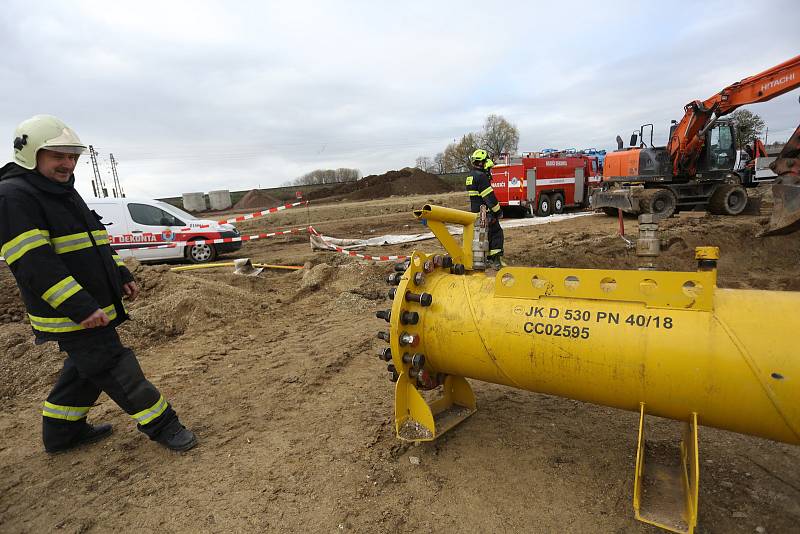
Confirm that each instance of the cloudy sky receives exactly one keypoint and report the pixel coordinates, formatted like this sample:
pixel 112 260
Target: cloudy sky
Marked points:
pixel 200 95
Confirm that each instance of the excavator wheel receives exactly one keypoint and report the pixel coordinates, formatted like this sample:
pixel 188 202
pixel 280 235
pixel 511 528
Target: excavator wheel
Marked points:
pixel 659 202
pixel 728 199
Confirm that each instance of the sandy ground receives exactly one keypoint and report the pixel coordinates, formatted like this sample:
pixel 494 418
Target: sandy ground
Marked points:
pixel 278 376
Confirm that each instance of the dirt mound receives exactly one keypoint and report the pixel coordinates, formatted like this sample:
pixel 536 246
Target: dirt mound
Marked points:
pixel 406 181
pixel 170 305
pixel 352 283
pixel 11 308
pixel 173 304
pixel 24 365
pixel 256 199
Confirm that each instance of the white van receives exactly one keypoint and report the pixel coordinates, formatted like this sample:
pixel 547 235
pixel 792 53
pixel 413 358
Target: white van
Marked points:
pixel 134 224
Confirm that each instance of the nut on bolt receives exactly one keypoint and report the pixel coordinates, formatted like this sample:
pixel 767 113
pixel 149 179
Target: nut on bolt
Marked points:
pixel 424 299
pixel 384 336
pixel 394 278
pixel 419 279
pixel 409 339
pixel 385 354
pixel 386 315
pixel 408 317
pixel 395 374
pixel 414 360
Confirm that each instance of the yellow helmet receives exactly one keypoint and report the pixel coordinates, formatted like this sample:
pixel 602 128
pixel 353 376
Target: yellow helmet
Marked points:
pixel 43 131
pixel 478 157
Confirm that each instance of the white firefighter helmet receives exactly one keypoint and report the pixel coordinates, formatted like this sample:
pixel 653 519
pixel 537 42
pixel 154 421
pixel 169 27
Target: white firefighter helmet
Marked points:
pixel 43 131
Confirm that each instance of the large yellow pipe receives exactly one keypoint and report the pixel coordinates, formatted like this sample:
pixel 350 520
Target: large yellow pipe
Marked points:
pixel 733 364
pixel 672 341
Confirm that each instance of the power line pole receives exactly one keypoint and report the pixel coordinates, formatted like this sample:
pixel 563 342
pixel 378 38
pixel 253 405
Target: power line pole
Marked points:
pixel 101 191
pixel 117 183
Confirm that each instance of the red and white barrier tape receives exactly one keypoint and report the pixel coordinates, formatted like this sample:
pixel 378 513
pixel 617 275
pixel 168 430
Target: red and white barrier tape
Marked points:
pixel 309 229
pixel 262 213
pixel 368 256
pixel 223 239
pixel 119 238
pixel 332 247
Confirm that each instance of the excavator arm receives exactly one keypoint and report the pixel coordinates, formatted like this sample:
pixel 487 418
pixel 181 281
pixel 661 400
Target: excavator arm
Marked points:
pixel 687 138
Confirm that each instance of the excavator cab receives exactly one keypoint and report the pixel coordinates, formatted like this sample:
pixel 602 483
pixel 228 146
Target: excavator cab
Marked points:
pixel 719 152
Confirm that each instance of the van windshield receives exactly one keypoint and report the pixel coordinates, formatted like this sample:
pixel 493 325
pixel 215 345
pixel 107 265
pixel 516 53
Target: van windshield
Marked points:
pixel 175 211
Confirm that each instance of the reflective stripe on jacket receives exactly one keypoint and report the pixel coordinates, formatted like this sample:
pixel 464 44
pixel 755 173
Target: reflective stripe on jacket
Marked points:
pixel 59 253
pixel 479 188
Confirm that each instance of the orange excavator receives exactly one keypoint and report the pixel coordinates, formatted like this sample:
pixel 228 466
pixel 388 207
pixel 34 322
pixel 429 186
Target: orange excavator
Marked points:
pixel 696 168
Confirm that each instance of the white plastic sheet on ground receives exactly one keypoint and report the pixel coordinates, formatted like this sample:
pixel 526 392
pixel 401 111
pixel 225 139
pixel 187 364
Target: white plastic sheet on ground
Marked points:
pixel 323 242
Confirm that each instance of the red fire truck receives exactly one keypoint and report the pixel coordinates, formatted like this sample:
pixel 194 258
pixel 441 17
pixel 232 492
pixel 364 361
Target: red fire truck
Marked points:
pixel 558 183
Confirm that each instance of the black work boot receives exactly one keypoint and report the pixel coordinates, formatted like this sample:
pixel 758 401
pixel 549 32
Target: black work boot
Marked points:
pixel 176 437
pixel 89 435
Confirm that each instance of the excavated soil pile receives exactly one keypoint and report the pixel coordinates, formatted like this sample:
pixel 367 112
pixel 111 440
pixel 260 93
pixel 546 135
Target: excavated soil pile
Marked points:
pixel 256 199
pixel 173 304
pixel 11 308
pixel 406 181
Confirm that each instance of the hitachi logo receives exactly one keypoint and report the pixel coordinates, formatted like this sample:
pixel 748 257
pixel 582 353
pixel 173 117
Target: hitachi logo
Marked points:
pixel 776 83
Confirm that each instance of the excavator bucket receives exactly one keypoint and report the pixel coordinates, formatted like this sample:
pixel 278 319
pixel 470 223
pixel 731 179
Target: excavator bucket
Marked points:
pixel 786 191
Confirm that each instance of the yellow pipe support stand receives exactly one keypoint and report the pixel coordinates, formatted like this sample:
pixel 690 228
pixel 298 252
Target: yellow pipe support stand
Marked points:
pixel 669 344
pixel 436 217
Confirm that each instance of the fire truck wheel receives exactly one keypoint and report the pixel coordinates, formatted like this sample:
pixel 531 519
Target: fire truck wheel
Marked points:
pixel 201 253
pixel 558 203
pixel 544 206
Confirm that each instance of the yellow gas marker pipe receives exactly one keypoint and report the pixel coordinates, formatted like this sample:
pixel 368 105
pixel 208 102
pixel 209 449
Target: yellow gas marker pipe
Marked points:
pixel 231 264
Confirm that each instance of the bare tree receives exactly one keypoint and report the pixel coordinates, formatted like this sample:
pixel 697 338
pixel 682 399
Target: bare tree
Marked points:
pixel 438 162
pixel 424 163
pixel 456 155
pixel 327 176
pixel 499 136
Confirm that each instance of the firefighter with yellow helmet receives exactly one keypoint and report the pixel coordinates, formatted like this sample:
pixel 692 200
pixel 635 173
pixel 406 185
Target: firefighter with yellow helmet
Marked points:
pixel 479 188
pixel 73 285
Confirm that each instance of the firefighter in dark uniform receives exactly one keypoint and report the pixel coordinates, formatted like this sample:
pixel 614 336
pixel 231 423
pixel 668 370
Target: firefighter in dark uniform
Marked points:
pixel 479 188
pixel 72 284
